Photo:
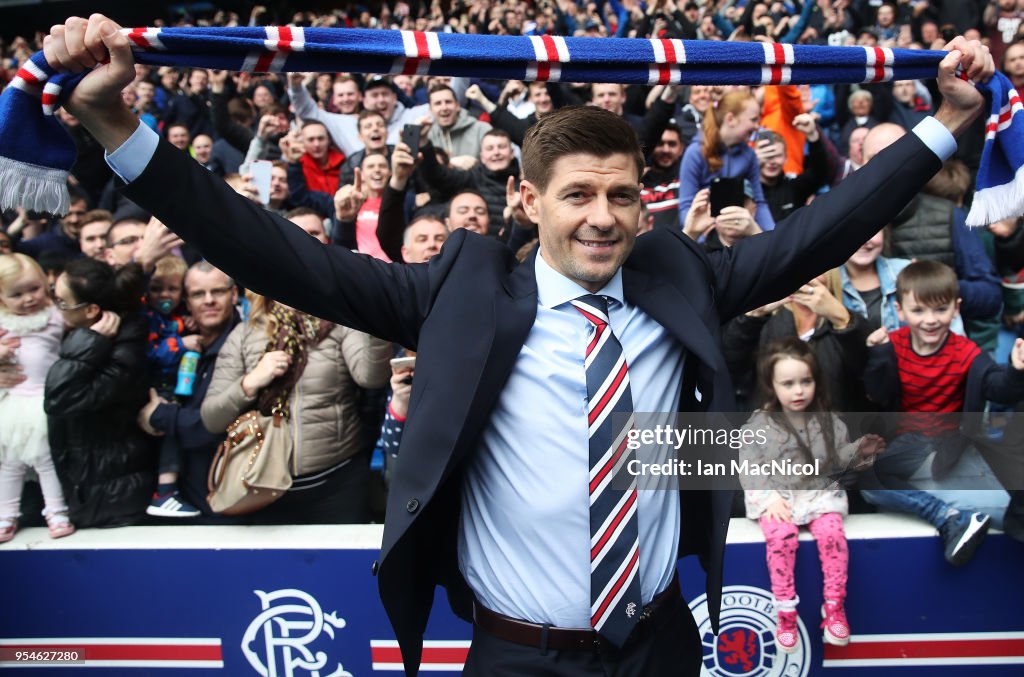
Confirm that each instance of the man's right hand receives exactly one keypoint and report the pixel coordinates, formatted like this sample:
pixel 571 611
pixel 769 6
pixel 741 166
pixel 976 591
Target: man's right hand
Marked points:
pixel 272 365
pixel 402 166
pixel 698 219
pixel 350 198
pixel 401 389
pixel 292 146
pixel 878 337
pixel 157 242
pixel 79 45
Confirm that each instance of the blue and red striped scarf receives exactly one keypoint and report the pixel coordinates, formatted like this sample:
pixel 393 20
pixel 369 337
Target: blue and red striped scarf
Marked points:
pixel 35 152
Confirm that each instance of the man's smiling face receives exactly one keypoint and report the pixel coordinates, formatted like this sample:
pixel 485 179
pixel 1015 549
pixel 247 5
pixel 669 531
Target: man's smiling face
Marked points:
pixel 587 215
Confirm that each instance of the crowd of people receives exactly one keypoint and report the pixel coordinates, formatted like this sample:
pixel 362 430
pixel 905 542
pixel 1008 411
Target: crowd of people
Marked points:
pixel 99 306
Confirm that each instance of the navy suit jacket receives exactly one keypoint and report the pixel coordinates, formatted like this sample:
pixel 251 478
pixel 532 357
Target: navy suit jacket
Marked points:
pixel 468 311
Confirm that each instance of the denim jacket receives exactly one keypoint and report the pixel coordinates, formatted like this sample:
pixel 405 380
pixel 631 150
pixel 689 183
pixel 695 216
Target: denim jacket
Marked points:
pixel 887 269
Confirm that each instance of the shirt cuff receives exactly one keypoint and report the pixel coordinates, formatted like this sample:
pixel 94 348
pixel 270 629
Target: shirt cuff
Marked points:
pixel 935 135
pixel 133 156
pixel 399 419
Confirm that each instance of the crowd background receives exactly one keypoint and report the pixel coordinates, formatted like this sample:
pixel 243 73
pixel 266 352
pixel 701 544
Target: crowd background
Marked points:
pixel 331 152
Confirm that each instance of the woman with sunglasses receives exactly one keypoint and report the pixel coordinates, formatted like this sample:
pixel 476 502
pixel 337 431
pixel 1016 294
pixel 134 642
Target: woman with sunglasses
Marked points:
pixel 93 392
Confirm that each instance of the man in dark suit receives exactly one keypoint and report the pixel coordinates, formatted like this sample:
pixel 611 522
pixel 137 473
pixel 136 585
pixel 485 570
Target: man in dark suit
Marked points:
pixel 501 495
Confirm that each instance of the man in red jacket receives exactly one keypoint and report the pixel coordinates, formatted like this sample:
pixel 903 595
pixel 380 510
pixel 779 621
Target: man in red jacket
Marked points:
pixel 321 161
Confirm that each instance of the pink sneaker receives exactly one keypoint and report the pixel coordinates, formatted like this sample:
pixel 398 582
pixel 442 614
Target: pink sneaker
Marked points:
pixel 7 529
pixel 59 525
pixel 836 629
pixel 787 635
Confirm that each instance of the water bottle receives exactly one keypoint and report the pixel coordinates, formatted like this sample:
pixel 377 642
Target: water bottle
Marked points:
pixel 187 373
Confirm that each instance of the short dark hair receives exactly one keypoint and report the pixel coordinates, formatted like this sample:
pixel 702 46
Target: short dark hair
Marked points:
pixel 120 222
pixel 369 113
pixel 465 191
pixel 441 87
pixel 310 123
pixel 240 110
pixel 275 108
pixel 576 129
pixel 76 194
pixel 301 211
pixel 370 153
pixel 92 281
pixel 672 126
pixel 501 133
pixel 931 282
pixel 95 215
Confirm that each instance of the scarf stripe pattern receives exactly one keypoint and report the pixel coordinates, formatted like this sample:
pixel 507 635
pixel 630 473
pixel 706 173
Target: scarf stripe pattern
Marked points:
pixel 34 152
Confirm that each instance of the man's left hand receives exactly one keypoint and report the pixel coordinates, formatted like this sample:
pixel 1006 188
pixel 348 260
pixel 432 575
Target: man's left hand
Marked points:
pixel 147 411
pixel 1017 354
pixel 961 100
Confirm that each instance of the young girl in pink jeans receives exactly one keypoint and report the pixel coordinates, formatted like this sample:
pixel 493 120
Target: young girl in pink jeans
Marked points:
pixel 797 426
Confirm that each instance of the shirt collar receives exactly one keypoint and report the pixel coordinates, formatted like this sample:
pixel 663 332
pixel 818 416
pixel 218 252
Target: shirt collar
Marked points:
pixel 555 289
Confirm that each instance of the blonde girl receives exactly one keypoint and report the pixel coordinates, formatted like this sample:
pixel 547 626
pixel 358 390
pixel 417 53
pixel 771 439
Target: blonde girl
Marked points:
pixel 722 150
pixel 31 329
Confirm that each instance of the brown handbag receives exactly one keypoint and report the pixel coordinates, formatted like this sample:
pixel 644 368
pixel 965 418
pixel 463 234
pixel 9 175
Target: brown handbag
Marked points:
pixel 251 468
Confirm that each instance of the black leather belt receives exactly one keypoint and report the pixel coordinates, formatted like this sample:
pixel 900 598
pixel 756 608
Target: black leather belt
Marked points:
pixel 560 639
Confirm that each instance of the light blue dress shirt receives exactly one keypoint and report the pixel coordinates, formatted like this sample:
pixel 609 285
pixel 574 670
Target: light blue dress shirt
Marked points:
pixel 524 536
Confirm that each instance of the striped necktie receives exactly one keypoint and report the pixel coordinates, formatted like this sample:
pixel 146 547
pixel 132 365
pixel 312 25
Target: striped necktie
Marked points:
pixel 614 532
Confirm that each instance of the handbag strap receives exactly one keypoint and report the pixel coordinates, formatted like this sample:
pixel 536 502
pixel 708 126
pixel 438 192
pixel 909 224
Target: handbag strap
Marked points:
pixel 294 333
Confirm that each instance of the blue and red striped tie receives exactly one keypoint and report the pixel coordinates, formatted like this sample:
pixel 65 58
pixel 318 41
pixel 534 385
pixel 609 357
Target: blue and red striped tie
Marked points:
pixel 614 533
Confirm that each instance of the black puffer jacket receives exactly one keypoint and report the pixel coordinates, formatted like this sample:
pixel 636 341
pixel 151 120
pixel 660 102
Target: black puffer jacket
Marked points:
pixel 448 181
pixel 841 353
pixel 106 464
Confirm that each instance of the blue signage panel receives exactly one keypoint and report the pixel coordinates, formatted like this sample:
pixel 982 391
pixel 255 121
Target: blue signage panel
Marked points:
pixel 306 612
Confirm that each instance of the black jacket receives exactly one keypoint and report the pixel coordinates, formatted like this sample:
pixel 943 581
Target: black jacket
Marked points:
pixel 841 355
pixel 468 313
pixel 450 180
pixel 106 464
pixel 789 194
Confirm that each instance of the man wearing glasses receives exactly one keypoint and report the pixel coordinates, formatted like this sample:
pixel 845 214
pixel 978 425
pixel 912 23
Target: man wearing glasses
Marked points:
pixel 211 296
pixel 130 239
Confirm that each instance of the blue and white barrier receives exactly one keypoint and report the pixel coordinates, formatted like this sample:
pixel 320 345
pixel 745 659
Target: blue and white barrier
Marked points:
pixel 298 601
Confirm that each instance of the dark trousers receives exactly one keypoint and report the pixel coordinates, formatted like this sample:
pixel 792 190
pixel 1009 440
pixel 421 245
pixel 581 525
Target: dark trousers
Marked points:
pixel 170 456
pixel 342 498
pixel 670 647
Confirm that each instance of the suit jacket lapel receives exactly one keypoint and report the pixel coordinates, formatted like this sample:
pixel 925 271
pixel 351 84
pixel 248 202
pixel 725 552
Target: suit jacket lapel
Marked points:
pixel 515 309
pixel 670 308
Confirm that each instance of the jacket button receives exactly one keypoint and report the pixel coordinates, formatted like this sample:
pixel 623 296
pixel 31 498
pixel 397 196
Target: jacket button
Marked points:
pixel 413 505
pixel 374 567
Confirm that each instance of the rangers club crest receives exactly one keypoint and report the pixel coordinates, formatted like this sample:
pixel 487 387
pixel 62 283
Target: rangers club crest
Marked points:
pixel 746 644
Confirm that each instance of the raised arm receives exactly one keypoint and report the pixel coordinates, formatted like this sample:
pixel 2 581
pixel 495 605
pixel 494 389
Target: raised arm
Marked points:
pixel 258 248
pixel 824 234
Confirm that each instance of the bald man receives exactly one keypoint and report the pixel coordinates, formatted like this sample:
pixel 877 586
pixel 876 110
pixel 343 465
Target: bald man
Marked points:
pixel 934 227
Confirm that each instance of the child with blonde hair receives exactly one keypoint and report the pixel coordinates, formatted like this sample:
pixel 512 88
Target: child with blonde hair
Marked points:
pixel 32 330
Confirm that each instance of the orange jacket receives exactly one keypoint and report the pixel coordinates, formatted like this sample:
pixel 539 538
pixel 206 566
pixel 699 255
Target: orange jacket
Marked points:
pixel 781 104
